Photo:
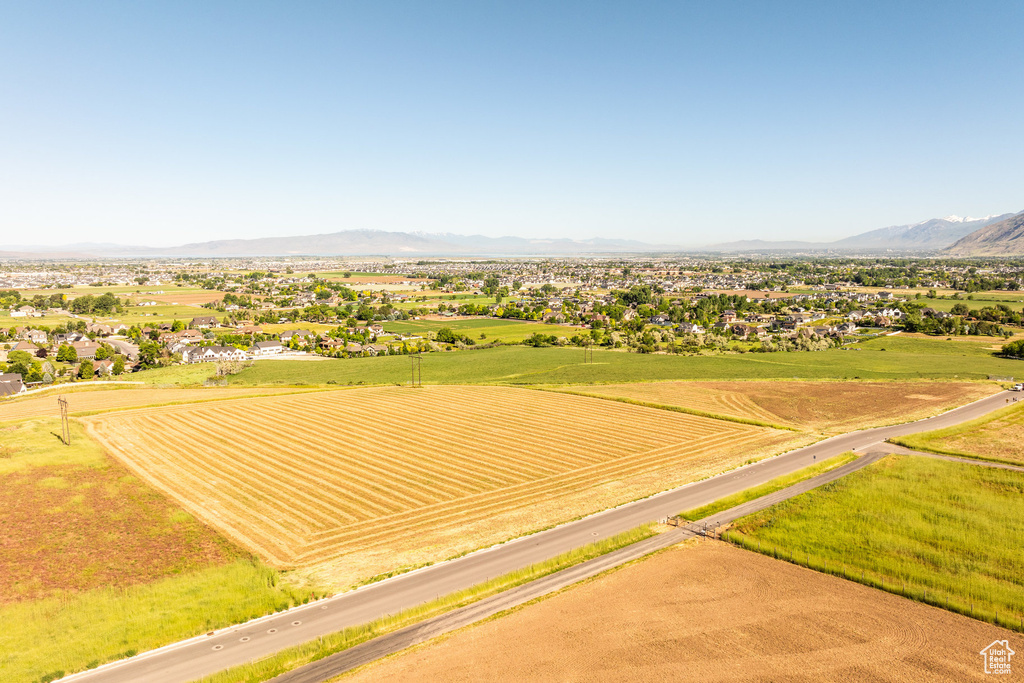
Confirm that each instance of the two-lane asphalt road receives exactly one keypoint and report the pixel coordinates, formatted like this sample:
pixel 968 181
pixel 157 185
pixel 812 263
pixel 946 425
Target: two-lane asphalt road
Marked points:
pixel 192 659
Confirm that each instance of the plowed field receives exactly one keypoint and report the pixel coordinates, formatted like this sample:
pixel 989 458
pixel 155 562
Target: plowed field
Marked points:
pixel 81 402
pixel 826 407
pixel 709 613
pixel 389 476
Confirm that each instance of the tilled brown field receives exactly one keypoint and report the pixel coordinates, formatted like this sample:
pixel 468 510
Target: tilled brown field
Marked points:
pixel 826 407
pixel 709 612
pixel 115 398
pixel 376 478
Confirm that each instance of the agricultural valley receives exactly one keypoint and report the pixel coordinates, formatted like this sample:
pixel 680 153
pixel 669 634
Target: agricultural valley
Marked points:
pixel 187 448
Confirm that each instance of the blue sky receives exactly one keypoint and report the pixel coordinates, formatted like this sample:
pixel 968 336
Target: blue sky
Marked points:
pixel 681 123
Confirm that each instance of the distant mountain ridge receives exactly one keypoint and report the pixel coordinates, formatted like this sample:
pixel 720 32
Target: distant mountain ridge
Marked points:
pixel 357 243
pixel 930 235
pixel 1002 238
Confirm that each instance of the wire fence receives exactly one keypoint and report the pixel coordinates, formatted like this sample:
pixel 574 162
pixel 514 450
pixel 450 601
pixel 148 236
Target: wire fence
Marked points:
pixel 1010 618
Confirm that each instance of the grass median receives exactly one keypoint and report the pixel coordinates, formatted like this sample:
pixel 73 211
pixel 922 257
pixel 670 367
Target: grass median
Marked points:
pixel 766 488
pixel 292 658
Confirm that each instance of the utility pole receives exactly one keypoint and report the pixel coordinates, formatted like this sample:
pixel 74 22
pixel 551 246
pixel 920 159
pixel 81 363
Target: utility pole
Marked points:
pixel 65 428
pixel 416 363
pixel 588 352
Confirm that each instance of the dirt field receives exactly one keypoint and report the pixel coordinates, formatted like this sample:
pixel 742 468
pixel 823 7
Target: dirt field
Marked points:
pixel 89 523
pixel 709 612
pixel 81 402
pixel 379 478
pixel 825 407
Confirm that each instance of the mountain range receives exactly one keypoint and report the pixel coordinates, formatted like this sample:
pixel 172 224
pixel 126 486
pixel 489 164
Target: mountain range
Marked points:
pixel 931 235
pixel 997 239
pixel 993 235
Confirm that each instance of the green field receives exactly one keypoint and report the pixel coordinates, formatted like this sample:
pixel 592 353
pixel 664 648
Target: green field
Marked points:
pixel 943 532
pixel 882 358
pixel 492 329
pixel 996 436
pixel 60 635
pixel 144 316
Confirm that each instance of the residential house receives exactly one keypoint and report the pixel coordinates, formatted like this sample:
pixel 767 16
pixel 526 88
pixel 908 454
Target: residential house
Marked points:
pixel 728 317
pixel 36 336
pixel 25 312
pixel 206 354
pixel 745 331
pixel 11 384
pixel 267 348
pixel 288 335
pixel 85 348
pixel 27 347
pixel 690 328
pixel 203 322
pixel 103 368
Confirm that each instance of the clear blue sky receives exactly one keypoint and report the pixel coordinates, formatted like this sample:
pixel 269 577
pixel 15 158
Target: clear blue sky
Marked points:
pixel 681 122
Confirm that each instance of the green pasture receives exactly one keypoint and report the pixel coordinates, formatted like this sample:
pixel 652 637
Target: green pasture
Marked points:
pixel 942 532
pixel 492 329
pixel 882 358
pixel 61 635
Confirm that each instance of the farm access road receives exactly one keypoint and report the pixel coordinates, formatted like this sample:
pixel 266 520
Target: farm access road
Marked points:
pixel 205 655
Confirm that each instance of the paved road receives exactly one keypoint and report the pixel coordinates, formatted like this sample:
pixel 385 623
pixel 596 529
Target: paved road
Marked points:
pixel 397 641
pixel 192 659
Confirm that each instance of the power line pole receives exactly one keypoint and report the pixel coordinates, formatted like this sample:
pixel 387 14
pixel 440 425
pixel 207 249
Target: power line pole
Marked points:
pixel 588 353
pixel 65 428
pixel 416 363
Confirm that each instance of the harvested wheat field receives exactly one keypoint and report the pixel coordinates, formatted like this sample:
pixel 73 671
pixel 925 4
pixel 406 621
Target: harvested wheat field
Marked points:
pixel 825 407
pixel 708 612
pixel 83 402
pixel 371 479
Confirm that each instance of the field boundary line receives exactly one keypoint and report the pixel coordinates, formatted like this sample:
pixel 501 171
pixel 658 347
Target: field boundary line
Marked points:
pixel 676 409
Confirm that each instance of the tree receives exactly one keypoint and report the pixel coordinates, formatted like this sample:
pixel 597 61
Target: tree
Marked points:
pixel 118 368
pixel 149 352
pixel 1014 349
pixel 102 353
pixel 86 370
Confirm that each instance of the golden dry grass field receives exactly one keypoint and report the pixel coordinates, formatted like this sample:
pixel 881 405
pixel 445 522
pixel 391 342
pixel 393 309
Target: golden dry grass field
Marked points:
pixel 708 612
pixel 82 402
pixel 363 481
pixel 823 407
pixel 999 436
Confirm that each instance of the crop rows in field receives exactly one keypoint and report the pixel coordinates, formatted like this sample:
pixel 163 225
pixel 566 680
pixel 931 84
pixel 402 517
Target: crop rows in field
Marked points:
pixel 304 478
pixel 81 402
